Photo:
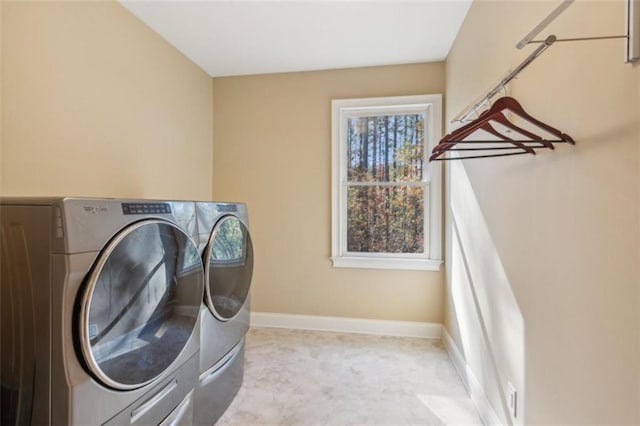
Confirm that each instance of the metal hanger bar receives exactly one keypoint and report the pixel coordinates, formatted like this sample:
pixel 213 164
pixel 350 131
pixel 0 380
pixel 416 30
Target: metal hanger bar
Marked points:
pixel 632 21
pixel 479 156
pixel 508 142
pixel 583 38
pixel 543 24
pixel 510 76
pixel 496 148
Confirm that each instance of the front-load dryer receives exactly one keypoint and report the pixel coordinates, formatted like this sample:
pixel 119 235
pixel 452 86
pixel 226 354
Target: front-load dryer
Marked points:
pixel 100 311
pixel 227 254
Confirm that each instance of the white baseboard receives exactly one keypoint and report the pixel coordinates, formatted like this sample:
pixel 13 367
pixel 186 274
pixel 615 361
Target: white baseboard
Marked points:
pixel 425 330
pixel 476 392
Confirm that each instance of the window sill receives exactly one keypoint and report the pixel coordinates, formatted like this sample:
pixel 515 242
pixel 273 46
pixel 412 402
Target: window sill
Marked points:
pixel 378 263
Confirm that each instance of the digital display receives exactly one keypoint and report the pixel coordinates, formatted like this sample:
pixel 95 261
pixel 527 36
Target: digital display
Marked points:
pixel 146 208
pixel 227 207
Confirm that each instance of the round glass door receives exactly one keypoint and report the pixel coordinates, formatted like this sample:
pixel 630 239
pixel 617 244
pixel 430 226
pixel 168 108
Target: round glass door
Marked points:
pixel 140 304
pixel 228 267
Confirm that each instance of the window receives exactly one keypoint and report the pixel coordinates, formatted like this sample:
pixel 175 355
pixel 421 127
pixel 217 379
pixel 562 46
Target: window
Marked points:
pixel 386 195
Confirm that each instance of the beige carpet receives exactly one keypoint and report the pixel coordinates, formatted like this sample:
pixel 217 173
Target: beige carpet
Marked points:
pixel 295 377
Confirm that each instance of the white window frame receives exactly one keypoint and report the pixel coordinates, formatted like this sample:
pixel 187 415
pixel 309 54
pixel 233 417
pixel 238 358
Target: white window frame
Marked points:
pixel 342 110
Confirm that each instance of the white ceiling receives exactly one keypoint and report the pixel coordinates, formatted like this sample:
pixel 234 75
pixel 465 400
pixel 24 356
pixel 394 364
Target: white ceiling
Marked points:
pixel 237 37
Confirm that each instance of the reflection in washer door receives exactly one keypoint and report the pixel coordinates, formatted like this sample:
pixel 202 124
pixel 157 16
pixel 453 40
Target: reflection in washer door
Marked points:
pixel 229 267
pixel 141 304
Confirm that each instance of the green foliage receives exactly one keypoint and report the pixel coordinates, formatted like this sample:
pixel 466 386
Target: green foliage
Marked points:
pixel 229 241
pixel 385 218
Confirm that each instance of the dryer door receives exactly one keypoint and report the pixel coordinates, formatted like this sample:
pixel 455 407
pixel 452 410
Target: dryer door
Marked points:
pixel 140 304
pixel 228 267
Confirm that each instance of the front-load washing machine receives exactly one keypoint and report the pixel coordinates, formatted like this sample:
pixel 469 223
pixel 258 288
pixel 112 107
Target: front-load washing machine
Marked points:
pixel 100 302
pixel 227 253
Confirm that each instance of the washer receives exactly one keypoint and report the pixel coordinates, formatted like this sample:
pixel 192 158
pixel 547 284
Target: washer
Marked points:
pixel 100 311
pixel 227 253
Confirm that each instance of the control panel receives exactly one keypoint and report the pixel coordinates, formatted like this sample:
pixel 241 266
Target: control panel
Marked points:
pixel 227 207
pixel 146 208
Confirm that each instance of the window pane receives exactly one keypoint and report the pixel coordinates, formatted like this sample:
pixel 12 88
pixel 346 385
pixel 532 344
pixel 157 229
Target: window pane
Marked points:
pixel 386 148
pixel 385 219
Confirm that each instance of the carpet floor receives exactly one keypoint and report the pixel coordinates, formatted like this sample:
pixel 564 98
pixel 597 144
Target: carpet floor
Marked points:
pixel 295 377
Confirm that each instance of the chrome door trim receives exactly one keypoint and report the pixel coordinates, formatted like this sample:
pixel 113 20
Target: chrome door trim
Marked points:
pixel 206 262
pixel 87 297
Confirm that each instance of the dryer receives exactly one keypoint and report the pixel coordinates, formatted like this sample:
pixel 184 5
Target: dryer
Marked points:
pixel 100 311
pixel 227 253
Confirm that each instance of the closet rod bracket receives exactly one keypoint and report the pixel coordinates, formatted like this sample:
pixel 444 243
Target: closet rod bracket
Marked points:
pixel 560 40
pixel 632 24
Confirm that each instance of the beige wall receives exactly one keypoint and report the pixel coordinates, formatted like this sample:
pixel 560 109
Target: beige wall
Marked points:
pixel 1 79
pixel 543 260
pixel 97 104
pixel 273 150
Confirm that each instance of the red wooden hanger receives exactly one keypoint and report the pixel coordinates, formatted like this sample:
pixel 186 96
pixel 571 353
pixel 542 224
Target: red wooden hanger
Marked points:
pixel 462 133
pixel 495 113
pixel 514 106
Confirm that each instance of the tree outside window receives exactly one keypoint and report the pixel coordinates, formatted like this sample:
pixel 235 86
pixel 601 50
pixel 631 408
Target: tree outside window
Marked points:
pixel 383 198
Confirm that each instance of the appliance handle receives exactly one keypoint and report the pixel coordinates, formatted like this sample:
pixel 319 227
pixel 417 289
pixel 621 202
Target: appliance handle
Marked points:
pixel 210 375
pixel 178 413
pixel 142 410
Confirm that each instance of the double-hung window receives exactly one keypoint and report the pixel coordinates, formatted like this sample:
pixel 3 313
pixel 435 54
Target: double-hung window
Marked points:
pixel 386 195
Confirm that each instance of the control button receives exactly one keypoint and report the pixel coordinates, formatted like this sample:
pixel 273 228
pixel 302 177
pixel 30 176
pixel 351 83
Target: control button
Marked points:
pixel 144 208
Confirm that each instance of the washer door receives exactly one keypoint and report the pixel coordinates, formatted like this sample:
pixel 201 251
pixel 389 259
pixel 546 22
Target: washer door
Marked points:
pixel 140 304
pixel 228 267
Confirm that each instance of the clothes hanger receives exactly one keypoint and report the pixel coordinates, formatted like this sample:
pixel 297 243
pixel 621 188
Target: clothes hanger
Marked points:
pixel 460 134
pixel 514 106
pixel 483 123
pixel 495 113
pixel 479 156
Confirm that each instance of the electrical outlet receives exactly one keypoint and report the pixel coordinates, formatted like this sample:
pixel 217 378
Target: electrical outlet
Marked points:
pixel 512 400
